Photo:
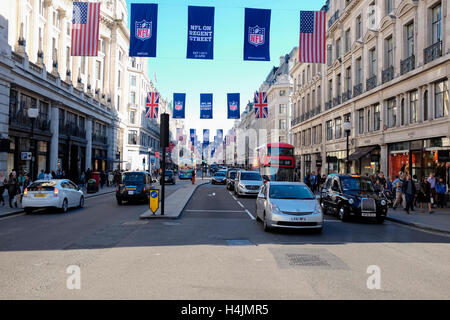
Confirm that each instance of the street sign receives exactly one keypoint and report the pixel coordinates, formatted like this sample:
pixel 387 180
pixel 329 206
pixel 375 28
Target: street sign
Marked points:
pixel 154 200
pixel 25 156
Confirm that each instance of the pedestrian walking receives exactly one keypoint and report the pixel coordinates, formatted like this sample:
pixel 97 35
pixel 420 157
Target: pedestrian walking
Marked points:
pixel 313 181
pixel 41 175
pixel 193 177
pixel 102 178
pixel 110 179
pixel 424 194
pixel 432 180
pixel 3 184
pixel 399 195
pixel 409 190
pixel 441 190
pixel 13 188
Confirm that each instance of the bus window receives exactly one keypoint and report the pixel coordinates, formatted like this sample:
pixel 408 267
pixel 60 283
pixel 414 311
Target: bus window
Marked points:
pixel 280 151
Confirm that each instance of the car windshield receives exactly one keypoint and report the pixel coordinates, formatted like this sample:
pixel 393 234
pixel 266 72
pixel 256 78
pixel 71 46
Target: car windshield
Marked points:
pixel 169 173
pixel 356 184
pixel 42 186
pixel 133 178
pixel 250 176
pixel 220 174
pixel 289 191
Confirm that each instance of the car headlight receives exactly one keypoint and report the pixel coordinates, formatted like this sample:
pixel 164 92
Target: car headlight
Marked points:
pixel 275 208
pixel 351 201
pixel 241 186
pixel 383 202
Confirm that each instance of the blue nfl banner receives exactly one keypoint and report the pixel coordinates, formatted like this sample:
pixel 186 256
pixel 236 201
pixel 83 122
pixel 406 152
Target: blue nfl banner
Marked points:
pixel 144 18
pixel 192 135
pixel 179 102
pixel 233 105
pixel 257 35
pixel 206 106
pixel 200 37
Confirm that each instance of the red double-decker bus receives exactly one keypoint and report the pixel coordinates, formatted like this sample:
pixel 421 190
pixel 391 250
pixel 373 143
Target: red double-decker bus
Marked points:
pixel 275 161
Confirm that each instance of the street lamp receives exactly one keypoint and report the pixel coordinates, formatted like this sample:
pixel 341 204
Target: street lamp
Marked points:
pixel 32 114
pixel 347 128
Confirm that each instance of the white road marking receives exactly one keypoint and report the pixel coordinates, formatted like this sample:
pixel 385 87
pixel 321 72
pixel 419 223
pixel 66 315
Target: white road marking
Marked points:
pixel 251 216
pixel 13 216
pixel 239 203
pixel 234 198
pixel 202 210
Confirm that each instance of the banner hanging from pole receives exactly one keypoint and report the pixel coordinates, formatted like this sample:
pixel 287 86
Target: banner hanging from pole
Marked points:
pixel 200 38
pixel 206 106
pixel 179 102
pixel 257 35
pixel 233 103
pixel 143 25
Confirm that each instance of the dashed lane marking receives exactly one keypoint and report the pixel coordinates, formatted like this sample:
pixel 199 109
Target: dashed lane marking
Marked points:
pixel 239 203
pixel 251 216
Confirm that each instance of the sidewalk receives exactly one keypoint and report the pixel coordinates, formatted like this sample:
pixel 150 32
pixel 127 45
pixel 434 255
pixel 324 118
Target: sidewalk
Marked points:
pixel 176 202
pixel 438 221
pixel 7 211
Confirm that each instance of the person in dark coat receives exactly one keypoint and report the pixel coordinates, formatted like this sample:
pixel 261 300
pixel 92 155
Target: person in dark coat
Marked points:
pixel 13 188
pixel 409 190
pixel 424 194
pixel 102 178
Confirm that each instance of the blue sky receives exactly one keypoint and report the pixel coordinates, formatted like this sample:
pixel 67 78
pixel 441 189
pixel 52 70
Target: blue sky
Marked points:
pixel 228 72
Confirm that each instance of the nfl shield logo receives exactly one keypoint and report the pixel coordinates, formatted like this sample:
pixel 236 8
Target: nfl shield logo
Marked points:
pixel 256 35
pixel 178 106
pixel 233 106
pixel 143 30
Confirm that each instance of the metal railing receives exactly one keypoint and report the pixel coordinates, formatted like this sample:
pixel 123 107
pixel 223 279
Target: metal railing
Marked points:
pixel 357 89
pixel 407 65
pixel 347 95
pixel 432 52
pixel 337 100
pixel 72 130
pixel 328 105
pixel 20 119
pixel 333 18
pixel 387 74
pixel 371 83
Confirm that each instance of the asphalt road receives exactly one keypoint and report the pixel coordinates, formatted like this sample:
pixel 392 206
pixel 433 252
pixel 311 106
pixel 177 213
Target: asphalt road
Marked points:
pixel 216 250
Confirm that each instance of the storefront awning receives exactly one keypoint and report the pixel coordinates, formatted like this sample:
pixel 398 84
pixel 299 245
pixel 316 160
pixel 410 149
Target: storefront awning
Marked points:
pixel 361 152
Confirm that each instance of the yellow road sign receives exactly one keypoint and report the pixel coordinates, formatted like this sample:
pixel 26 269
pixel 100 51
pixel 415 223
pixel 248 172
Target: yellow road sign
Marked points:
pixel 154 200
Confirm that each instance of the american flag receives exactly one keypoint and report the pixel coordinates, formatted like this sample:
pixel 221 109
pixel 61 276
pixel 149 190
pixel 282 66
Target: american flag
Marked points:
pixel 312 37
pixel 152 105
pixel 85 28
pixel 261 109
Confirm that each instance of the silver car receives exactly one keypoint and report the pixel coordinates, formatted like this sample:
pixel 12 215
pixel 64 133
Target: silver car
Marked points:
pixel 247 183
pixel 288 205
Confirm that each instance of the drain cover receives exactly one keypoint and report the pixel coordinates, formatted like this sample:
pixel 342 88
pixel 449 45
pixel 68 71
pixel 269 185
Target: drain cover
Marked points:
pixel 238 242
pixel 306 260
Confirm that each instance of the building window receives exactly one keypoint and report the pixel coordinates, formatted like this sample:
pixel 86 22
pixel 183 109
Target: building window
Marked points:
pixel 338 48
pixel 348 79
pixel 338 127
pixel 425 105
pixel 358 71
pixel 358 27
pixel 330 90
pixel 441 99
pixel 132 137
pixel 388 6
pixel 372 62
pixel 339 84
pixel 118 103
pixel 329 55
pixel 119 76
pixel 402 112
pixel 132 116
pixel 413 97
pixel 368 120
pixel 391 113
pixel 133 81
pixel 68 29
pixel 282 108
pixel 314 135
pixel 436 24
pixel 389 52
pixel 132 97
pixel 361 121
pixel 329 130
pixel 282 124
pixel 68 58
pixel 41 7
pixel 410 40
pixel 319 134
pixel 376 118
pixel 98 69
pixel 347 41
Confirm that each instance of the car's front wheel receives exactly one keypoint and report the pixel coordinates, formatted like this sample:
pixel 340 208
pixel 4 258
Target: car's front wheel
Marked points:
pixel 342 214
pixel 267 228
pixel 380 220
pixel 81 204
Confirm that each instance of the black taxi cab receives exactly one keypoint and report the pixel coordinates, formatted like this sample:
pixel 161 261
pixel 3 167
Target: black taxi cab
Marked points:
pixel 352 196
pixel 135 185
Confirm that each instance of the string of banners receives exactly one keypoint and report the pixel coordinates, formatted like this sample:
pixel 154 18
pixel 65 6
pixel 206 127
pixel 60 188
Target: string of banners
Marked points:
pixel 200 32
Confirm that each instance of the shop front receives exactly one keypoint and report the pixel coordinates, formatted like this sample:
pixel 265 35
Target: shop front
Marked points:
pixel 367 160
pixel 420 158
pixel 306 164
pixel 99 159
pixel 336 162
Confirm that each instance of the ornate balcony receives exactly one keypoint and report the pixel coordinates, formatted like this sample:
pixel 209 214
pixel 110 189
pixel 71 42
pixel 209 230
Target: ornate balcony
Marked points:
pixel 337 100
pixel 371 83
pixel 357 90
pixel 318 109
pixel 328 105
pixel 407 65
pixel 388 74
pixel 21 120
pixel 333 18
pixel 347 95
pixel 432 52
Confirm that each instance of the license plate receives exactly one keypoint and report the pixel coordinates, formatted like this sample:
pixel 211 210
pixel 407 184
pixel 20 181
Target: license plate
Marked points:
pixel 130 192
pixel 368 214
pixel 40 195
pixel 130 188
pixel 298 219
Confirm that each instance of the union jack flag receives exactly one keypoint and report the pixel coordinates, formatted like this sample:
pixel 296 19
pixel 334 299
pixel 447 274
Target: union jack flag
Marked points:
pixel 261 109
pixel 152 105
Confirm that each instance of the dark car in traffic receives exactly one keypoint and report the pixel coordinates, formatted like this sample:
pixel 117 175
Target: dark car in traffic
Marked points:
pixel 169 178
pixel 219 177
pixel 135 186
pixel 231 175
pixel 352 196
